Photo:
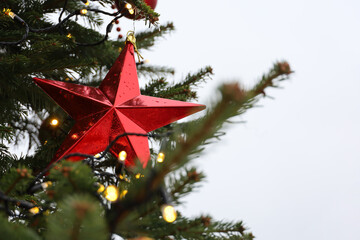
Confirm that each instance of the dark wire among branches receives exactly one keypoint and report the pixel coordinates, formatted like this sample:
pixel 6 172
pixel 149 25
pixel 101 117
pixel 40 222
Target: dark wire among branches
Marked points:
pixel 119 14
pixel 33 186
pixel 92 157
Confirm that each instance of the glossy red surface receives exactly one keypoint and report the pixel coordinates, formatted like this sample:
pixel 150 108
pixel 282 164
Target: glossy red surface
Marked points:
pixel 151 3
pixel 114 108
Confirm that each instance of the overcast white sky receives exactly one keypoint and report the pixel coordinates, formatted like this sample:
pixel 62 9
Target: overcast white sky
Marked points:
pixel 293 170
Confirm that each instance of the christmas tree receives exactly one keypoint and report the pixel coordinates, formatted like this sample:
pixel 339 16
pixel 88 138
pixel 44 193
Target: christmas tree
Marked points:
pixel 81 178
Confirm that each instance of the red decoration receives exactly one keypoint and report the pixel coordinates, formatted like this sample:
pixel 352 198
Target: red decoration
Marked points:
pixel 120 5
pixel 115 107
pixel 151 3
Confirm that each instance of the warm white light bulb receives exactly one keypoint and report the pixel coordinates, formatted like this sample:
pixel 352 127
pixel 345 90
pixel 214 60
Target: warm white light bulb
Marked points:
pixel 169 213
pixel 160 157
pixel 111 193
pixel 101 188
pixel 122 156
pixel 9 13
pixel 45 185
pixel 54 122
pixel 129 8
pixel 34 210
pixel 12 15
pixel 83 11
pixel 123 194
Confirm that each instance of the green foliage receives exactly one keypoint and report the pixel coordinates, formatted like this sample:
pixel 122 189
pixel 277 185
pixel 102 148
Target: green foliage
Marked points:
pixel 146 39
pixel 81 216
pixel 149 13
pixel 15 181
pixel 65 203
pixel 15 231
pixel 234 101
pixel 6 159
pixel 183 90
pixel 200 228
pixel 183 183
pixel 53 55
pixel 71 178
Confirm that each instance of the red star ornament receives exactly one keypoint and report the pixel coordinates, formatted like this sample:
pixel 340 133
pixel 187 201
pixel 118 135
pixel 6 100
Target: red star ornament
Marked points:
pixel 115 107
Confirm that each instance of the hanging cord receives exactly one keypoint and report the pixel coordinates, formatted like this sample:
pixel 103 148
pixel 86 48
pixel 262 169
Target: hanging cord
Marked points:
pixel 130 37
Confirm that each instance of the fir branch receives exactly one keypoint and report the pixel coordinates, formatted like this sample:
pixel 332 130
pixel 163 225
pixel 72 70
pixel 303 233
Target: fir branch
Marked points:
pixel 7 160
pixel 6 133
pixel 154 86
pixel 234 101
pixel 199 228
pixel 146 39
pixel 183 90
pixel 179 186
pixel 154 70
pixel 209 229
pixel 194 79
pixel 184 183
pixel 20 203
pixel 80 215
pixel 146 10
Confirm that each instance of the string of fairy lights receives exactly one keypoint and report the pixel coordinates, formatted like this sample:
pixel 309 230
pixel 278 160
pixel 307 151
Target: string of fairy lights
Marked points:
pixel 111 193
pixel 128 9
